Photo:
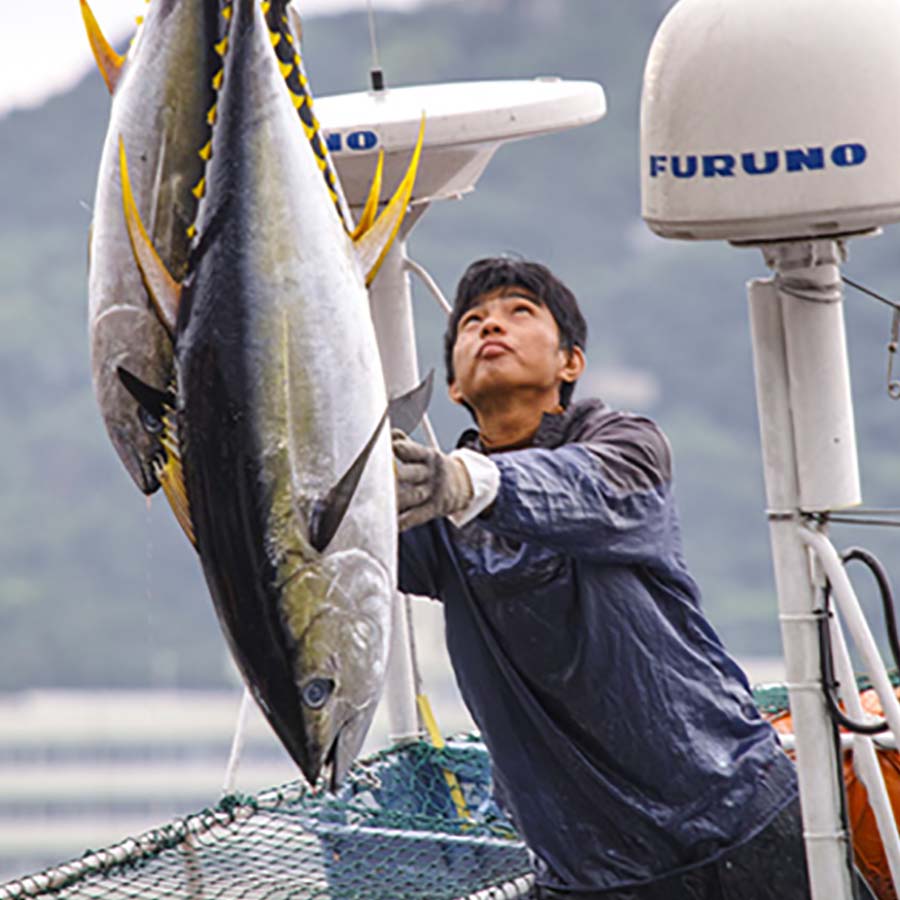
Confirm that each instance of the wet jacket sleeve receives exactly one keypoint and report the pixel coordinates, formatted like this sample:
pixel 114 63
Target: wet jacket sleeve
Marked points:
pixel 605 497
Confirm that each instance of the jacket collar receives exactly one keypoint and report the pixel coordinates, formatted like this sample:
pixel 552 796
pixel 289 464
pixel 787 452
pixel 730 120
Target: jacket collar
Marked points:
pixel 552 432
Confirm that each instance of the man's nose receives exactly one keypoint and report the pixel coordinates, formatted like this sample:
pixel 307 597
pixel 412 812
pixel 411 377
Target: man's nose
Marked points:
pixel 491 325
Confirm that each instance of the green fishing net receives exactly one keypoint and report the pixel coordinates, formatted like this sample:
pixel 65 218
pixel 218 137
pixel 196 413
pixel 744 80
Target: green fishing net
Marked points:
pixel 772 699
pixel 410 822
pixel 414 822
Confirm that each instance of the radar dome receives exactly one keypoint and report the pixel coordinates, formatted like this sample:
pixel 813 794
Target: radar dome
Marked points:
pixel 772 119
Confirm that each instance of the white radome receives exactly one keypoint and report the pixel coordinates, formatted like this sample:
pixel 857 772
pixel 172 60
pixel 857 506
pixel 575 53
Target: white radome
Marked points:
pixel 772 119
pixel 465 124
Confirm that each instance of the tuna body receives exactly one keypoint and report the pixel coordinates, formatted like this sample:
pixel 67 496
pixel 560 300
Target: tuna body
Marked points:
pixel 280 387
pixel 160 110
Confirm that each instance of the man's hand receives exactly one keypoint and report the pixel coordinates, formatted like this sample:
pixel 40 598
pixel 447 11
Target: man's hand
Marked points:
pixel 430 484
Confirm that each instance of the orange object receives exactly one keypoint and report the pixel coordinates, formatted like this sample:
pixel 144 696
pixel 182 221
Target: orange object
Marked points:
pixel 867 847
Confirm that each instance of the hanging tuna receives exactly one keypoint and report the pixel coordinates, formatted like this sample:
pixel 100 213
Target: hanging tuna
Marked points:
pixel 278 409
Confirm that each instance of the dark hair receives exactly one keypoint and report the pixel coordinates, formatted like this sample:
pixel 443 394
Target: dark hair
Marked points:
pixel 493 273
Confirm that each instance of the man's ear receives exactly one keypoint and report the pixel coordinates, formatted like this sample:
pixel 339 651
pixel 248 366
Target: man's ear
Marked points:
pixel 573 365
pixel 455 393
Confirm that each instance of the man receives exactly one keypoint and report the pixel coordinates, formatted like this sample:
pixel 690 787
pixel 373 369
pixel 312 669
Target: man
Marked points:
pixel 626 745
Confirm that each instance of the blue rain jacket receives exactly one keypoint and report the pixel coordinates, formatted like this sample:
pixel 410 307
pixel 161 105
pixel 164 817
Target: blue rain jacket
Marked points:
pixel 625 742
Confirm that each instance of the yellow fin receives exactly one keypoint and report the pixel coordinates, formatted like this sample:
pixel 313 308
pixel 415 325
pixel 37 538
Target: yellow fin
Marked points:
pixel 164 291
pixel 367 216
pixel 171 476
pixel 108 61
pixel 373 246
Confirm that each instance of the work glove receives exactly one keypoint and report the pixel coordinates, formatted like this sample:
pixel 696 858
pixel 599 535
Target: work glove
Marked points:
pixel 430 484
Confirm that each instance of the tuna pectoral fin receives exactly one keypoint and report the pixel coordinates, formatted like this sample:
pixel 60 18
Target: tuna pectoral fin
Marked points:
pixel 150 399
pixel 169 473
pixel 372 247
pixel 164 290
pixel 367 216
pixel 329 512
pixel 406 411
pixel 108 61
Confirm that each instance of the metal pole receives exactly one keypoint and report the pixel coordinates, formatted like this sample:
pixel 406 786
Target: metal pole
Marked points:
pixel 865 759
pixel 849 607
pixel 820 784
pixel 391 306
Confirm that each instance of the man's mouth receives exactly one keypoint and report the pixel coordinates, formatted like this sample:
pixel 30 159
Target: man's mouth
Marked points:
pixel 491 349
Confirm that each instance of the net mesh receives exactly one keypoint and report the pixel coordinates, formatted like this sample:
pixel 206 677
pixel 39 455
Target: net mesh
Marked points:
pixel 772 699
pixel 415 821
pixel 398 828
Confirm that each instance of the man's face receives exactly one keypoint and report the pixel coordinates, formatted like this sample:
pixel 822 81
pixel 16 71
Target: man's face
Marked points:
pixel 509 342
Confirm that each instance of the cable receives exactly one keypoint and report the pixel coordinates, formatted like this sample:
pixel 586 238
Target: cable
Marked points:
pixel 858 517
pixel 873 564
pixel 869 292
pixel 829 683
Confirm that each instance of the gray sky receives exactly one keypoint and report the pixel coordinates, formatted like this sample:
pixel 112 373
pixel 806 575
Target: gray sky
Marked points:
pixel 43 48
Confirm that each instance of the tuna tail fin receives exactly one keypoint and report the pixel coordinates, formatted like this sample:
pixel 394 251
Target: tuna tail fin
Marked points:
pixel 373 246
pixel 367 216
pixel 407 410
pixel 108 61
pixel 164 290
pixel 329 511
pixel 169 472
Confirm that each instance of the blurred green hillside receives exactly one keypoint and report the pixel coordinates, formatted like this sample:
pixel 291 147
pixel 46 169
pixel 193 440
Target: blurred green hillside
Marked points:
pixel 97 589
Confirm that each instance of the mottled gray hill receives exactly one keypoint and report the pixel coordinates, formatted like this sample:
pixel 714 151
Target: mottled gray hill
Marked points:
pixel 96 590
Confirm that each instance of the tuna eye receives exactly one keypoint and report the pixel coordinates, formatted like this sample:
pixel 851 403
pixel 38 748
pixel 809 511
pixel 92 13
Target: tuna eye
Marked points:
pixel 151 423
pixel 316 692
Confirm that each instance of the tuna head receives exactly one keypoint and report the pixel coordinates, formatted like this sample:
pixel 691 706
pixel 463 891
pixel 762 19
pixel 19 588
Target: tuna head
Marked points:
pixel 335 614
pixel 134 430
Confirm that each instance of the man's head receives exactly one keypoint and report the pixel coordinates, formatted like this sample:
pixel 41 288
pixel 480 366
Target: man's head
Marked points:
pixel 514 327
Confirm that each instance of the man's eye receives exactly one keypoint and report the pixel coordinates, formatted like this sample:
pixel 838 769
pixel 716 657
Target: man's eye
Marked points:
pixel 470 320
pixel 523 307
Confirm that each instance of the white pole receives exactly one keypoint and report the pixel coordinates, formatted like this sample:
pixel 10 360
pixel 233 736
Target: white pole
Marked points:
pixel 865 759
pixel 820 787
pixel 848 604
pixel 808 279
pixel 391 305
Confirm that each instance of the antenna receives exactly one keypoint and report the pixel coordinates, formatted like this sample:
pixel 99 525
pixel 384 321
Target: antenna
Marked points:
pixel 375 73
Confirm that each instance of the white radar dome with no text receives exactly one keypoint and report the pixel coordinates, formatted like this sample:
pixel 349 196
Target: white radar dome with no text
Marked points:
pixel 772 119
